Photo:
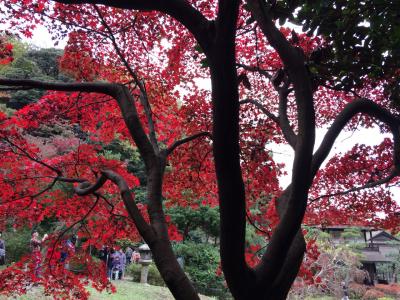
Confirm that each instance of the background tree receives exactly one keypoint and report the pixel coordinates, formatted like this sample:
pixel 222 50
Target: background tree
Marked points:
pixel 28 62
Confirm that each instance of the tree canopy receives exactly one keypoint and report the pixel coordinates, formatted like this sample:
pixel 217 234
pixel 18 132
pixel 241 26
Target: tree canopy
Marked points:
pixel 136 133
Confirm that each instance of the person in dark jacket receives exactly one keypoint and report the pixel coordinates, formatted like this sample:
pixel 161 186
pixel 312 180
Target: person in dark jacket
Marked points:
pixel 128 255
pixel 105 256
pixel 116 272
pixel 2 250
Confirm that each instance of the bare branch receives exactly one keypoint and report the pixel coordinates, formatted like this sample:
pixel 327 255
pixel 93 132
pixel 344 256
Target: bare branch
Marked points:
pixel 31 197
pixel 255 69
pixel 37 160
pixel 72 226
pixel 364 106
pixel 180 10
pixel 143 93
pixel 111 205
pixel 262 108
pixel 255 226
pixel 287 130
pixel 282 121
pixel 289 225
pixel 186 140
pixel 394 173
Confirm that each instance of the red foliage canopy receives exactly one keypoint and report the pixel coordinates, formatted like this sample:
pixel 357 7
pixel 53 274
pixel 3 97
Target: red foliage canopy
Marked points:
pixel 160 64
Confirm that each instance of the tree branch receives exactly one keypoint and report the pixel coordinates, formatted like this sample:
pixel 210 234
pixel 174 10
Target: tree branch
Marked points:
pixel 364 106
pixel 178 143
pixel 72 225
pixel 255 69
pixel 288 53
pixel 25 153
pixel 282 121
pixel 181 10
pixel 287 130
pixel 144 229
pixel 262 108
pixel 143 93
pixel 394 173
pixel 86 188
pixel 289 225
pixel 119 92
pixel 255 226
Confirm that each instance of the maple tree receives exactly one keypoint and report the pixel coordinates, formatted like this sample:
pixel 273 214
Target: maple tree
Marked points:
pixel 142 59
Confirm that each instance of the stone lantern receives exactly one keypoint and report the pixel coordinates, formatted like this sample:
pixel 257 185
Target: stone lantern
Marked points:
pixel 145 260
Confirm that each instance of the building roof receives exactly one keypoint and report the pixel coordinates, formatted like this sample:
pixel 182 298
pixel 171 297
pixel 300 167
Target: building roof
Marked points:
pixel 382 236
pixel 340 227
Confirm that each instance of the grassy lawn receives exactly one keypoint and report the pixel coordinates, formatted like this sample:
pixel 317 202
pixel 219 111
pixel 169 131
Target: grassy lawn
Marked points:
pixel 132 290
pixel 126 290
pixel 321 298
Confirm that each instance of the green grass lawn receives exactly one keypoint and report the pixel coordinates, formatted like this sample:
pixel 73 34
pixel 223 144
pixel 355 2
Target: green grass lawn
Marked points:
pixel 132 290
pixel 126 290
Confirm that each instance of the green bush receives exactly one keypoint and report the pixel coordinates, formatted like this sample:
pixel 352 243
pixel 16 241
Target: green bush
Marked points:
pixel 154 276
pixel 17 244
pixel 201 263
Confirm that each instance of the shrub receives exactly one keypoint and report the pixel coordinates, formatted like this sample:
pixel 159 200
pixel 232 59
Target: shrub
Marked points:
pixel 154 276
pixel 17 244
pixel 201 264
pixel 356 291
pixel 373 294
pixel 389 289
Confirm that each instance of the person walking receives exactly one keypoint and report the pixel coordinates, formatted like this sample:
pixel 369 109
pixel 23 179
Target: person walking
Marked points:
pixel 35 245
pixel 116 269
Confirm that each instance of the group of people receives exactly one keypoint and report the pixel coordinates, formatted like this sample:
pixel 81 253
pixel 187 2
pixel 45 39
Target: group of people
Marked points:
pixel 117 260
pixel 67 249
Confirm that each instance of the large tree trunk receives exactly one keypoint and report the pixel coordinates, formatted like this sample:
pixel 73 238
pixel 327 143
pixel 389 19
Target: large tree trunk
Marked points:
pixel 226 154
pixel 244 282
pixel 163 255
pixel 173 275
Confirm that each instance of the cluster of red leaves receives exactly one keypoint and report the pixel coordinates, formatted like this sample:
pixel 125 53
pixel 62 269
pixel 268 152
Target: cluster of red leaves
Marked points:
pixel 356 168
pixel 392 289
pixel 30 193
pixel 19 278
pixel 78 60
pixel 308 269
pixel 6 52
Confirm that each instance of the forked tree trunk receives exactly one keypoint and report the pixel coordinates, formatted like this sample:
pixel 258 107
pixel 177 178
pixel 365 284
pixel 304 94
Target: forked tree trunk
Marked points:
pixel 163 255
